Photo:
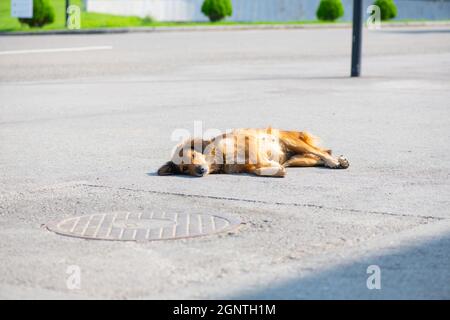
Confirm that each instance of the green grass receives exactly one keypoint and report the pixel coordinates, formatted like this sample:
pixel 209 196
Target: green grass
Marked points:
pixel 91 20
pixel 88 20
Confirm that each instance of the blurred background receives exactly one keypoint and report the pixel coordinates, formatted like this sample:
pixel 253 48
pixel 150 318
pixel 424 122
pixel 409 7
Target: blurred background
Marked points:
pixel 141 13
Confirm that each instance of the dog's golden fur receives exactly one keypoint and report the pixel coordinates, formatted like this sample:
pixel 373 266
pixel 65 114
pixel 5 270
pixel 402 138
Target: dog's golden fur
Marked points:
pixel 263 152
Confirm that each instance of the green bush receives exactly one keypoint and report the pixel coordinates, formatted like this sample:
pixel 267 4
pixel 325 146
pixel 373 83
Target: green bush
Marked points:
pixel 43 14
pixel 330 10
pixel 388 9
pixel 217 10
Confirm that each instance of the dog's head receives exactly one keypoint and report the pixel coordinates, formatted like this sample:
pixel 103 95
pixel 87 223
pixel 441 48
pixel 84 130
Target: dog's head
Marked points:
pixel 188 158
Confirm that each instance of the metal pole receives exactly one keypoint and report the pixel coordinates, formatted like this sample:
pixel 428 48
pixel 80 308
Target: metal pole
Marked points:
pixel 67 13
pixel 357 37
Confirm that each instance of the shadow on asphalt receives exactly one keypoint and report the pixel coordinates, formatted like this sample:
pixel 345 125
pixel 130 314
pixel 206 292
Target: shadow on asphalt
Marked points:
pixel 415 272
pixel 155 174
pixel 418 31
pixel 152 174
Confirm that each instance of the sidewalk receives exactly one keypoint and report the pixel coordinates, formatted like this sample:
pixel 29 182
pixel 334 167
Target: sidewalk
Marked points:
pixel 340 25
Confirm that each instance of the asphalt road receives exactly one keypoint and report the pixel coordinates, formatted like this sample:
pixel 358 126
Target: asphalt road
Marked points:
pixel 83 130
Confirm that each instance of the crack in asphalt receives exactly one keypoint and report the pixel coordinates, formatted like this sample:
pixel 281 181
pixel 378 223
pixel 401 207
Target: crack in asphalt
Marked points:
pixel 305 205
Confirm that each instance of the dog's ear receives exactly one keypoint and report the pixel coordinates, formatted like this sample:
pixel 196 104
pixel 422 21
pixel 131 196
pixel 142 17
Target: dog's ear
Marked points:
pixel 168 169
pixel 205 144
pixel 198 145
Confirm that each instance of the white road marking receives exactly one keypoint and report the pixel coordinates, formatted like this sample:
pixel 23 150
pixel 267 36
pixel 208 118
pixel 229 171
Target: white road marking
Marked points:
pixel 56 50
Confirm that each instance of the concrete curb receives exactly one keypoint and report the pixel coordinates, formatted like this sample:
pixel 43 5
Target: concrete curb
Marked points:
pixel 222 28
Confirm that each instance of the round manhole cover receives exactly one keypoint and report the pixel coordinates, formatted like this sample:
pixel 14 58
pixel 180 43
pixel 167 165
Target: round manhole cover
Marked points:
pixel 127 226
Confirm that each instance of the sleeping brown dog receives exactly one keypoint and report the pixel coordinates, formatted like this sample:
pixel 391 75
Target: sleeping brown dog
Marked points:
pixel 263 152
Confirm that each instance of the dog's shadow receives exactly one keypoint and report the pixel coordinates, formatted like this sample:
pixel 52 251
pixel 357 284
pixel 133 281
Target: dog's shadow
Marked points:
pixel 185 176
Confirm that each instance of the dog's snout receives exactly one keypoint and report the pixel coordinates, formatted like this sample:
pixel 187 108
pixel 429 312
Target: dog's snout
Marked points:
pixel 201 170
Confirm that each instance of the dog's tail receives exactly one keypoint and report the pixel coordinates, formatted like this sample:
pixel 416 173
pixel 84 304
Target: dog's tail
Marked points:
pixel 290 138
pixel 293 136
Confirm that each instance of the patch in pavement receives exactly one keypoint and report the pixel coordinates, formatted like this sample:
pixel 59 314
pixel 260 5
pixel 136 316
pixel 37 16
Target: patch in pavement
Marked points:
pixel 147 226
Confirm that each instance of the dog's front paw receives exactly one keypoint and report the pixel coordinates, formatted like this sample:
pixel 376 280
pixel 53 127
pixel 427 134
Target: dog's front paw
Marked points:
pixel 281 172
pixel 271 171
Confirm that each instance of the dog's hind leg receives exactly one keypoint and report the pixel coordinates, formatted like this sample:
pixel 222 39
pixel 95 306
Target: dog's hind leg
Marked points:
pixel 307 160
pixel 302 143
